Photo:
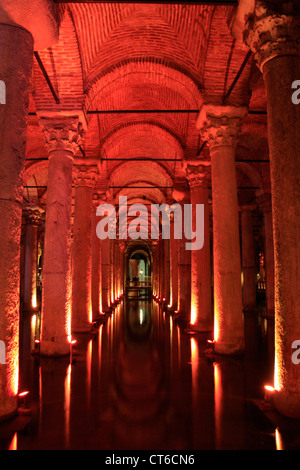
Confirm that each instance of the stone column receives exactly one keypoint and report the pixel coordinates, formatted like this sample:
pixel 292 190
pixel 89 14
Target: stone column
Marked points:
pixel 155 266
pixel 96 261
pixel 184 272
pixel 266 207
pixel 274 37
pixel 219 127
pixel 16 46
pixel 33 218
pixel 105 271
pixel 63 136
pixel 173 268
pixel 84 178
pixel 122 246
pixel 201 312
pixel 166 270
pixel 248 259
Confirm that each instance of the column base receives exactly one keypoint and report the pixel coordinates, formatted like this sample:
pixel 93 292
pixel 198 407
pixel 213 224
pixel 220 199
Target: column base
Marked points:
pixel 56 348
pixel 198 328
pixel 232 348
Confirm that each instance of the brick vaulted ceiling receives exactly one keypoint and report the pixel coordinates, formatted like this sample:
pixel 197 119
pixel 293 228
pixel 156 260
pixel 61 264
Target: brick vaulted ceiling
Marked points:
pixel 120 56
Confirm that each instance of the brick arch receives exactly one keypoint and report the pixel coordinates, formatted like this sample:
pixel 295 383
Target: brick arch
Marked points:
pixel 144 72
pixel 34 169
pixel 63 65
pixel 141 85
pixel 224 57
pixel 121 143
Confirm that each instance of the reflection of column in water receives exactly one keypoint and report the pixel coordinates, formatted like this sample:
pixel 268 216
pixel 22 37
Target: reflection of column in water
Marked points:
pixel 89 371
pixel 14 442
pixel 278 440
pixel 67 405
pixel 218 405
pixel 52 400
pixel 230 420
pixel 202 398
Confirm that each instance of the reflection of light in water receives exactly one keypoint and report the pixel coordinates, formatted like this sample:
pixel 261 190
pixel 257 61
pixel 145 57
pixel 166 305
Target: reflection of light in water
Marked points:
pixel 33 329
pixel 218 402
pixel 178 342
pixel 89 363
pixel 278 440
pixel 67 403
pixel 194 361
pixel 100 343
pixel 14 442
pixel 141 316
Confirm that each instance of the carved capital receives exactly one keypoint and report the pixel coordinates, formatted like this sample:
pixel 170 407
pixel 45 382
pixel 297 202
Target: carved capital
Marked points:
pixel 62 133
pixel 271 34
pixel 34 215
pixel 84 175
pixel 220 125
pixel 197 175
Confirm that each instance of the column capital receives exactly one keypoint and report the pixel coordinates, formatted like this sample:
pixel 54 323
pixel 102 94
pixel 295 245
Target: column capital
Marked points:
pixel 270 33
pixel 220 125
pixel 84 175
pixel 34 215
pixel 197 175
pixel 62 133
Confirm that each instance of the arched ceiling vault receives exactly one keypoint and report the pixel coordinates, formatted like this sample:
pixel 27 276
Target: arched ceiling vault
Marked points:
pixel 149 59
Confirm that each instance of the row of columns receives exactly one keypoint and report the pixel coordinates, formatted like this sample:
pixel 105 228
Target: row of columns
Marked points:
pixel 274 39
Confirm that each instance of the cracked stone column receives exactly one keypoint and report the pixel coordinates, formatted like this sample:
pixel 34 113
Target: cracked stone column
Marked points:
pixel 63 136
pixel 201 310
pixel 219 126
pixel 274 37
pixel 84 177
pixel 33 218
pixel 248 260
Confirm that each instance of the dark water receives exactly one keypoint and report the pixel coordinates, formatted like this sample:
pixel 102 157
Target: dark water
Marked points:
pixel 143 382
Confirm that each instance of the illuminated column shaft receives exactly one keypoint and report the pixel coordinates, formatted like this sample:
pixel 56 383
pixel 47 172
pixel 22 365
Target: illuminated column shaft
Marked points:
pixel 248 260
pixel 220 127
pixel 174 267
pixel 62 137
pixel 84 179
pixel 201 311
pixel 275 40
pixel 184 272
pixel 122 246
pixel 269 253
pixel 155 266
pixel 96 262
pixel 31 255
pixel 166 267
pixel 105 274
pixel 16 46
